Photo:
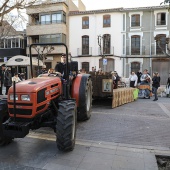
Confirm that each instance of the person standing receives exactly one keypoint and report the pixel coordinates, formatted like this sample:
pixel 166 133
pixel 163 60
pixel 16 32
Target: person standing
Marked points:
pixel 7 79
pixel 3 68
pixel 145 78
pixel 168 87
pixel 139 74
pixel 133 79
pixel 117 79
pixel 155 84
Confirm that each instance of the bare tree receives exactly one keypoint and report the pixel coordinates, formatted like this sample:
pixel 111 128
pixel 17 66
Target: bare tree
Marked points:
pixel 165 2
pixel 7 6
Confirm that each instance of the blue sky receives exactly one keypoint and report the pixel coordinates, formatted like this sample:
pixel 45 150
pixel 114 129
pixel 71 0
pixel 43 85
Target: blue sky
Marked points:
pixel 104 4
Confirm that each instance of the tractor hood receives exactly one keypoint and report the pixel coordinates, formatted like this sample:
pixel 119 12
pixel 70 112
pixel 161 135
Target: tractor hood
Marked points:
pixel 35 84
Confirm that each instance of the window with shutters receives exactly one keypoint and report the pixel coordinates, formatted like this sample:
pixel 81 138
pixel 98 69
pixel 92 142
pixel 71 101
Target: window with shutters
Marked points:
pixel 106 20
pixel 85 22
pixel 135 20
pixel 161 19
pixel 135 45
pixel 85 45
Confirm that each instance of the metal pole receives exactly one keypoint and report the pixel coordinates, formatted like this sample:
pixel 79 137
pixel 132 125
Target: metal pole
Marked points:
pixel 67 69
pixel 14 95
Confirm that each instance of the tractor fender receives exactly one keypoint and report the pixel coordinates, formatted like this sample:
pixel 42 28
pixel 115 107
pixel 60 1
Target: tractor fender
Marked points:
pixel 78 86
pixel 75 88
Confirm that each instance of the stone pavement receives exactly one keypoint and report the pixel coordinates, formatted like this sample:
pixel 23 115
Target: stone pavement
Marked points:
pixel 124 138
pixel 38 151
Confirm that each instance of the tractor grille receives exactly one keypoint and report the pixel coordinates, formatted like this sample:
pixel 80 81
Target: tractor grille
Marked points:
pixel 20 111
pixel 41 95
pixel 40 107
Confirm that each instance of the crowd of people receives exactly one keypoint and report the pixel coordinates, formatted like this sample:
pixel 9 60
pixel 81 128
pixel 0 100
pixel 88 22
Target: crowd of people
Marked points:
pixel 139 79
pixel 135 80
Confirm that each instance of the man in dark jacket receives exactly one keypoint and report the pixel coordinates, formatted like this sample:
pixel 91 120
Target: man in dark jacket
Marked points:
pixel 2 71
pixel 61 66
pixel 139 74
pixel 155 84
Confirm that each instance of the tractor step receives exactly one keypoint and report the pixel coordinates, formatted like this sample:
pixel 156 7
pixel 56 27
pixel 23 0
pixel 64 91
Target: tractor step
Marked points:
pixel 15 129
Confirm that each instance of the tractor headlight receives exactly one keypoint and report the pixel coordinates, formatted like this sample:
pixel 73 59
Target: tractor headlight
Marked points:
pixel 11 97
pixel 25 97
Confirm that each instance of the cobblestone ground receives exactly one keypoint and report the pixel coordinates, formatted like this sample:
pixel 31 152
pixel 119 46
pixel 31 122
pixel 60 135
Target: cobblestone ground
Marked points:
pixel 108 141
pixel 143 122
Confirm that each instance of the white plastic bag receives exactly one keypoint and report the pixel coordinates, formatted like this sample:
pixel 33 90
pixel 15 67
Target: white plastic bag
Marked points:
pixel 167 90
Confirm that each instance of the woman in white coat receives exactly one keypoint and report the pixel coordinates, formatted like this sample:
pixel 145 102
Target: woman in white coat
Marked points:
pixel 133 79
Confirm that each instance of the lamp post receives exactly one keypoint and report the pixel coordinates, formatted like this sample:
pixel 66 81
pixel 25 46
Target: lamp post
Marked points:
pixel 105 39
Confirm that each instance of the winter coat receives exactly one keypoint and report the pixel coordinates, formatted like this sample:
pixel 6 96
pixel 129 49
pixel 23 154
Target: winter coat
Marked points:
pixel 168 82
pixel 156 82
pixel 7 78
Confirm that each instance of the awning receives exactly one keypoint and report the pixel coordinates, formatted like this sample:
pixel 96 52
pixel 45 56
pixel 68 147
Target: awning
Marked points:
pixel 20 60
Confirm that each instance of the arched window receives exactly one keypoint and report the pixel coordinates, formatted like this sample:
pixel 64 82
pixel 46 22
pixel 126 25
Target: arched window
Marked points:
pixel 106 20
pixel 85 45
pixel 161 43
pixel 85 22
pixel 135 67
pixel 106 43
pixel 135 45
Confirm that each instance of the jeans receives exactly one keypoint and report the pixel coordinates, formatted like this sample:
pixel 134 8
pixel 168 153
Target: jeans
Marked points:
pixel 155 92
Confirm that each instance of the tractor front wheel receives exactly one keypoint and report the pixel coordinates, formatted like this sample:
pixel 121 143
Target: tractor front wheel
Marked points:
pixel 4 140
pixel 66 125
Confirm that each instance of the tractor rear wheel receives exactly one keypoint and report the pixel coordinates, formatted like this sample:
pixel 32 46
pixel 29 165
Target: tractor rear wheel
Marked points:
pixel 3 117
pixel 66 125
pixel 85 99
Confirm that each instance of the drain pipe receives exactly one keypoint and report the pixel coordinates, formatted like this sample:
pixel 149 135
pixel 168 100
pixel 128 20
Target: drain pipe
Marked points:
pixel 150 62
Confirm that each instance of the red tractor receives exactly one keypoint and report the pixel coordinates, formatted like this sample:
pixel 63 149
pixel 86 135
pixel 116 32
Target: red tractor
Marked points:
pixel 47 101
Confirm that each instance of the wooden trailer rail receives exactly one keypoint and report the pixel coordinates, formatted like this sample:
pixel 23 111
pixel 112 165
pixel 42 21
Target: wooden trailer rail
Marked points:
pixel 122 96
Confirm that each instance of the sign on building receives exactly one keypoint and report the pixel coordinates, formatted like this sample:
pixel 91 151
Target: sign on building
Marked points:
pixel 5 59
pixel 104 61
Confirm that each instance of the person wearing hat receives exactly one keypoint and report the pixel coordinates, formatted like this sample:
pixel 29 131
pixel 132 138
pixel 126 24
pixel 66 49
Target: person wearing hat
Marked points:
pixel 3 67
pixel 43 70
pixel 61 66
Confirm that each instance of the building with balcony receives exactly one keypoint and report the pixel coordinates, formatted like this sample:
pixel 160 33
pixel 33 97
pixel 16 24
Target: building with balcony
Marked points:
pixel 90 29
pixel 48 23
pixel 140 50
pixel 124 37
pixel 128 39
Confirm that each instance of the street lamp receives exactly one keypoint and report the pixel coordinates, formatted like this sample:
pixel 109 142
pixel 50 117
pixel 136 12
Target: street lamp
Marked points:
pixel 105 38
